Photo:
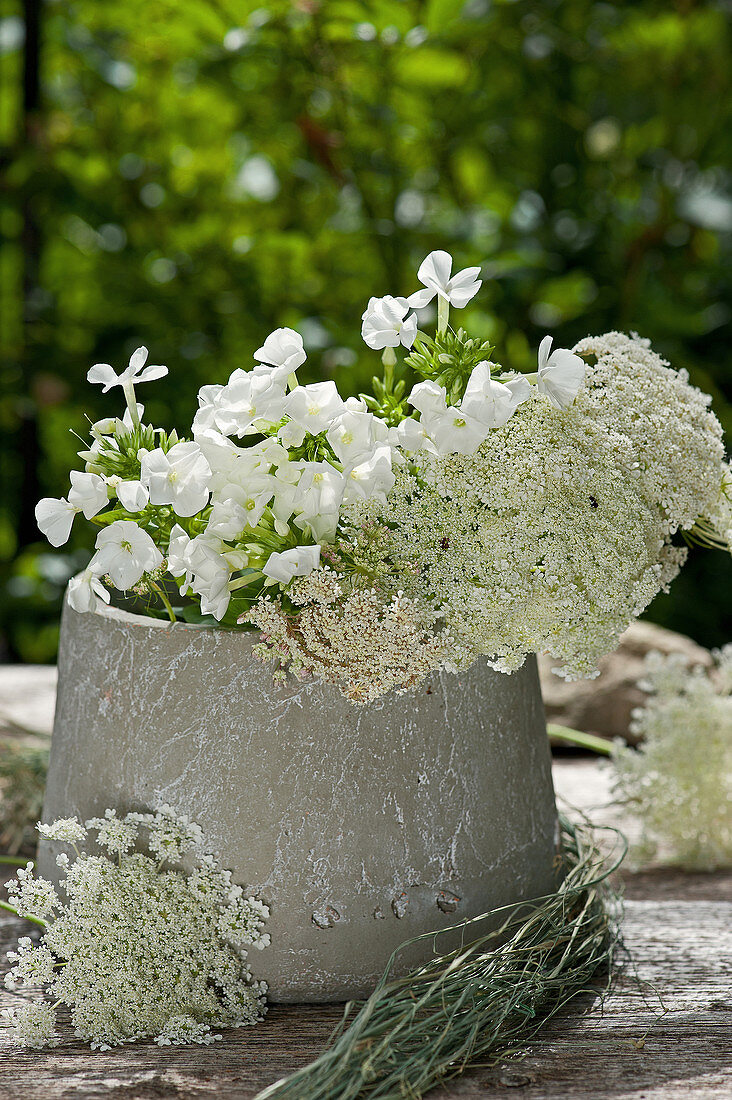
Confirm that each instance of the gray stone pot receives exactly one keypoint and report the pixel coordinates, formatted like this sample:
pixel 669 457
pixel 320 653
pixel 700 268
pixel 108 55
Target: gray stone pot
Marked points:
pixel 360 826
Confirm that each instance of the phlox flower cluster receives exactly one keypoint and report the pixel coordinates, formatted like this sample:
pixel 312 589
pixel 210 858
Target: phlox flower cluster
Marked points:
pixel 678 782
pixel 513 512
pixel 140 949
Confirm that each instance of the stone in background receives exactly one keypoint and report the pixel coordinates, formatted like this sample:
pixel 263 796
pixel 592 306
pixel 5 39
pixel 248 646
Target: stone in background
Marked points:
pixel 603 706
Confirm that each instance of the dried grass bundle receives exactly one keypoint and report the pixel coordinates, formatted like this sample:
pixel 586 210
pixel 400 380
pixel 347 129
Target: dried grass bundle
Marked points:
pixel 481 1001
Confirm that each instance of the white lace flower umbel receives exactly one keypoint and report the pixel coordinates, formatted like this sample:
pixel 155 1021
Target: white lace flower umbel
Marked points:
pixel 100 954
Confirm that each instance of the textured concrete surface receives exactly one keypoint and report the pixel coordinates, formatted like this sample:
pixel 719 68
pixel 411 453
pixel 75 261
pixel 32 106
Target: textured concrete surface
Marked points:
pixel 361 827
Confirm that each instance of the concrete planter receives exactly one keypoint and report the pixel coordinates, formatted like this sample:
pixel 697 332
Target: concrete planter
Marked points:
pixel 361 827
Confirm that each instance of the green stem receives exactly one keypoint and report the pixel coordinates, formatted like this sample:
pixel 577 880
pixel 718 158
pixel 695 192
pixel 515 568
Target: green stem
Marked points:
pixel 443 313
pixel 14 911
pixel 129 391
pixel 242 582
pixel 13 861
pixel 389 360
pixel 165 600
pixel 581 739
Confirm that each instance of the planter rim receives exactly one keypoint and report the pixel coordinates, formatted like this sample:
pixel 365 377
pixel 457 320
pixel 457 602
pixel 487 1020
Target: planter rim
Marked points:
pixel 119 615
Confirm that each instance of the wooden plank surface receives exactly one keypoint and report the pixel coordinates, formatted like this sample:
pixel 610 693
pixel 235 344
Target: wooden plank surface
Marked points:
pixel 678 932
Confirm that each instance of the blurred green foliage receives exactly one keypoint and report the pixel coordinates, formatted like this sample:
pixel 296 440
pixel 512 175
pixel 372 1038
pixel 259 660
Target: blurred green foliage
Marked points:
pixel 198 172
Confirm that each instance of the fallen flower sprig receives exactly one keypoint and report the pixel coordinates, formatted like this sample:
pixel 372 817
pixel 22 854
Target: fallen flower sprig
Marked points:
pixel 141 949
pixel 678 782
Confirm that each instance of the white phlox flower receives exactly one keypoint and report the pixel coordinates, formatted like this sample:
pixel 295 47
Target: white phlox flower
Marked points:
pixel 132 495
pixel 387 323
pixel 179 477
pixel 452 430
pixel 252 497
pixel 297 562
pixel 226 461
pixel 352 435
pixel 372 478
pixel 125 552
pixel 86 590
pixel 204 569
pixel 561 374
pixel 436 273
pixel 492 402
pixel 54 516
pixel 283 348
pixel 227 520
pixel 411 435
pixel 319 495
pixel 209 403
pixel 314 407
pixel 285 480
pixel 107 377
pixel 88 493
pixel 249 397
pixel 178 562
pixel 291 434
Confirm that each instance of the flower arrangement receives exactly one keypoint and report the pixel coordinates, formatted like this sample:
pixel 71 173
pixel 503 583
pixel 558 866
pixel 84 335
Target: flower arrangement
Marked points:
pixel 678 782
pixel 141 948
pixel 460 509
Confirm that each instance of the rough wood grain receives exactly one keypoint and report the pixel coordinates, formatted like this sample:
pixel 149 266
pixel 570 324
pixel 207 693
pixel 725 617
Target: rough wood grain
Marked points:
pixel 684 949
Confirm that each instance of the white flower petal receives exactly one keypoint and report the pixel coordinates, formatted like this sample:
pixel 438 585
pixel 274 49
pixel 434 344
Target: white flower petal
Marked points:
pixel 149 374
pixel 421 298
pixel 88 493
pixel 137 360
pixel 434 271
pixel 85 591
pixel 104 375
pixel 544 349
pixel 132 495
pixel 561 377
pixel 297 562
pixel 125 552
pixel 54 517
pixel 282 348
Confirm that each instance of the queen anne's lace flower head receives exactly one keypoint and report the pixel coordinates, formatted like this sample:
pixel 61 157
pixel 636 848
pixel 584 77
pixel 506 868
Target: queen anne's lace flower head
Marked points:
pixel 678 782
pixel 140 949
pixel 68 829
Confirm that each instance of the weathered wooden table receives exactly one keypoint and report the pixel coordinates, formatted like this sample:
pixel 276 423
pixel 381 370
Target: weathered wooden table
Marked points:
pixel 677 928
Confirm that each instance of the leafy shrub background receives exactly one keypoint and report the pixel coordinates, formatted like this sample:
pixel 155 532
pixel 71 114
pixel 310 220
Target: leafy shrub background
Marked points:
pixel 190 174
